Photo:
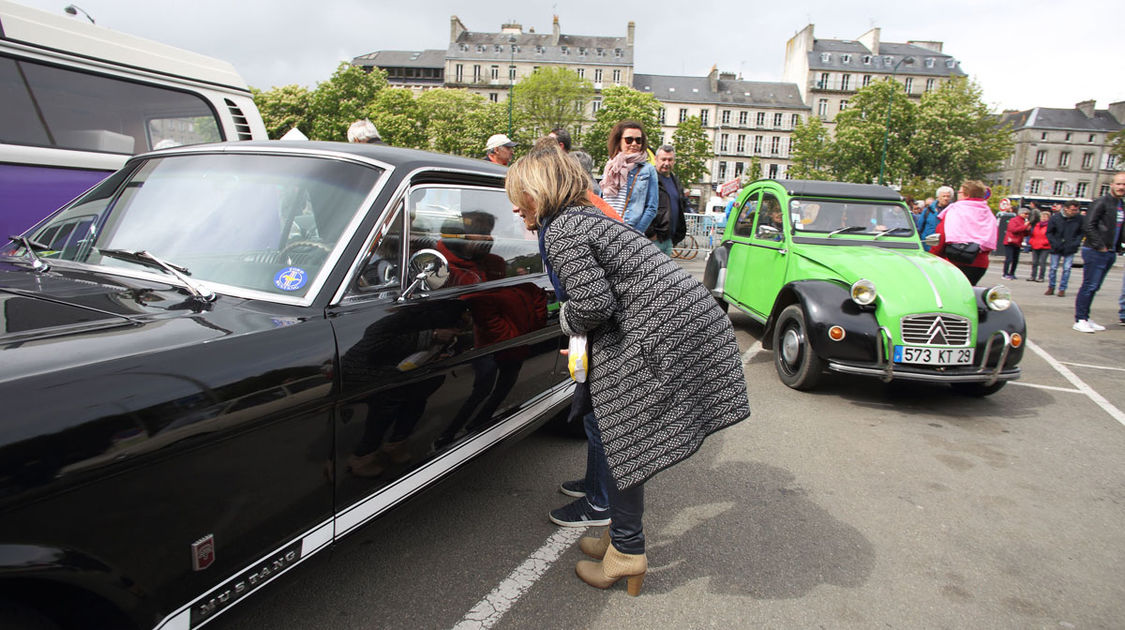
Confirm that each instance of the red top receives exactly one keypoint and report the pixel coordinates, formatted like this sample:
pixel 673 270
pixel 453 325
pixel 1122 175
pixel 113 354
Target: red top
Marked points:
pixel 1017 229
pixel 1039 236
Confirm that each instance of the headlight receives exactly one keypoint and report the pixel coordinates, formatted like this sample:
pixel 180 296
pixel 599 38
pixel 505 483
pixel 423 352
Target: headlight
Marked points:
pixel 863 292
pixel 998 298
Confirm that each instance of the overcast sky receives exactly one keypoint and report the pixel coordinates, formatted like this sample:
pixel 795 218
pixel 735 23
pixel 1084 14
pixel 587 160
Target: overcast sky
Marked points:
pixel 1023 54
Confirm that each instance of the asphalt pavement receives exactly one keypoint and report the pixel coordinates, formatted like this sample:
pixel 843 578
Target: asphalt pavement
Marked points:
pixel 859 505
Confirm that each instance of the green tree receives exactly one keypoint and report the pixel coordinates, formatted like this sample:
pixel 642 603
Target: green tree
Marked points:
pixel 452 121
pixel 550 98
pixel 398 118
pixel 811 151
pixel 692 151
pixel 955 138
pixel 860 131
pixel 1117 144
pixel 283 108
pixel 620 102
pixel 341 100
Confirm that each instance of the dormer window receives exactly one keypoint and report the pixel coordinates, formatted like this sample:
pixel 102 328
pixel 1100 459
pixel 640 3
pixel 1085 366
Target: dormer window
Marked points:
pixel 565 50
pixel 480 47
pixel 845 58
pixel 617 52
pixel 949 63
pixel 929 62
pixel 888 60
pixel 581 51
pixel 867 59
pixel 498 48
pixel 464 47
pixel 601 52
pixel 826 57
pixel 539 50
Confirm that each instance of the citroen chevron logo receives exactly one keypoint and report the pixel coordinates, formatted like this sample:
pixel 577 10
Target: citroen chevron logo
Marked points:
pixel 937 334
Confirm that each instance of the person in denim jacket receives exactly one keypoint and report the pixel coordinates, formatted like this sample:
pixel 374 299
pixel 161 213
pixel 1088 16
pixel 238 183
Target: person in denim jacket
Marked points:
pixel 629 182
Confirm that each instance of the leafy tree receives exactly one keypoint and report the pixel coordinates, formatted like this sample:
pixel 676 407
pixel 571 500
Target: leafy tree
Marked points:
pixel 954 137
pixel 341 100
pixel 692 151
pixel 753 171
pixel 620 102
pixel 1117 144
pixel 283 108
pixel 860 131
pixel 447 117
pixel 550 98
pixel 811 151
pixel 398 118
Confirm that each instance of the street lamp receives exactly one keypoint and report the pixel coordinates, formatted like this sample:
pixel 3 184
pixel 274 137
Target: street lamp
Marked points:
pixel 72 9
pixel 511 78
pixel 890 98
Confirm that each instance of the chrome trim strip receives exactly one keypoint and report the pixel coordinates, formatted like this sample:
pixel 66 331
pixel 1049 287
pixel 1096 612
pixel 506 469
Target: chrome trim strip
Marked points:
pixel 933 287
pixel 366 509
pixel 750 313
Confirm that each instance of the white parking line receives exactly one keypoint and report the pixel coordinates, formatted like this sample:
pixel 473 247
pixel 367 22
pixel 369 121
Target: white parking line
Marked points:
pixel 1050 387
pixel 750 352
pixel 488 611
pixel 1077 382
pixel 1095 367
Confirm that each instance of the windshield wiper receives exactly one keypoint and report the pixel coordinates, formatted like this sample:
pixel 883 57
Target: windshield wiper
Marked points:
pixel 896 230
pixel 30 247
pixel 148 260
pixel 844 230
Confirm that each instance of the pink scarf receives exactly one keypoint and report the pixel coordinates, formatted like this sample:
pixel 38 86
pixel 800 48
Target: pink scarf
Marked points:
pixel 616 170
pixel 970 221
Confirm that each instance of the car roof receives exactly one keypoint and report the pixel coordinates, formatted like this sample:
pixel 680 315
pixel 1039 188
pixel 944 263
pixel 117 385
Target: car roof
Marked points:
pixel 813 188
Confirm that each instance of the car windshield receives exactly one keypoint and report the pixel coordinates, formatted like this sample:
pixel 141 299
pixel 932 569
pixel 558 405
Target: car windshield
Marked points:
pixel 260 222
pixel 849 217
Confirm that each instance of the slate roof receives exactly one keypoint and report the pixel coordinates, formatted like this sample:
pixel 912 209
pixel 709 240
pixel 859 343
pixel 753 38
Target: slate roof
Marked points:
pixel 879 63
pixel 698 90
pixel 402 59
pixel 536 47
pixel 1054 118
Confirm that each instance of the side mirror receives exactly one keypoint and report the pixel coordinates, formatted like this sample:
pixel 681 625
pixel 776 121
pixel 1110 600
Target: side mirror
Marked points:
pixel 768 232
pixel 428 268
pixel 931 240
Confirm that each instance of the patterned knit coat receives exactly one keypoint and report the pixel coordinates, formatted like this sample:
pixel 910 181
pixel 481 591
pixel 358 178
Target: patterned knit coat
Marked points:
pixel 665 369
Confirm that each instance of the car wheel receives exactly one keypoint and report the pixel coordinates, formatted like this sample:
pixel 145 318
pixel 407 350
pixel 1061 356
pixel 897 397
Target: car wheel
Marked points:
pixel 797 363
pixel 978 389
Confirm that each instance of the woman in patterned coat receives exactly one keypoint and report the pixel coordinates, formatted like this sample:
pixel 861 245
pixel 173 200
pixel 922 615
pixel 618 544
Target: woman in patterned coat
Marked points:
pixel 664 368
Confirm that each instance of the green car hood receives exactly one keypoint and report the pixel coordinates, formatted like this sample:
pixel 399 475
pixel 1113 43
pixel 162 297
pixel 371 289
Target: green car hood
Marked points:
pixel 906 281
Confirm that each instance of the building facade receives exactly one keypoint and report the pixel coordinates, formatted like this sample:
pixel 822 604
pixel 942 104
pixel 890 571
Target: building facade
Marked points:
pixel 828 72
pixel 1061 154
pixel 745 120
pixel 416 70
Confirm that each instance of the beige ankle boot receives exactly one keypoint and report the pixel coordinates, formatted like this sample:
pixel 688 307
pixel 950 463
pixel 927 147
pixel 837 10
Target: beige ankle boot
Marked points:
pixel 613 567
pixel 595 547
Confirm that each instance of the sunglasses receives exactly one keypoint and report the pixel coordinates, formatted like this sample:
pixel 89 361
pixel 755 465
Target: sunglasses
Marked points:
pixel 633 139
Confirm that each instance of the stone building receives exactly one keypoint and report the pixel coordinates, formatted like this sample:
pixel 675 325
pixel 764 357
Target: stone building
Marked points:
pixel 743 119
pixel 1061 154
pixel 416 70
pixel 829 71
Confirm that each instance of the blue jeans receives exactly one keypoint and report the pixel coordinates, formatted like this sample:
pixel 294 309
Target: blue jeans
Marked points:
pixel 1096 264
pixel 597 467
pixel 1067 261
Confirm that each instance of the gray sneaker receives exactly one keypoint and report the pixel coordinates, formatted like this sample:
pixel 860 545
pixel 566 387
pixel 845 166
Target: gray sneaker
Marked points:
pixel 579 513
pixel 576 488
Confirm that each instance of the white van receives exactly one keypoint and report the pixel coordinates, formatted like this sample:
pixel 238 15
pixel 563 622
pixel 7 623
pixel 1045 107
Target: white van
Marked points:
pixel 78 100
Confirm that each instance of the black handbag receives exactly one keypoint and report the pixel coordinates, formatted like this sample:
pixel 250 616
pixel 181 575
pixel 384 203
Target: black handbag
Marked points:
pixel 962 253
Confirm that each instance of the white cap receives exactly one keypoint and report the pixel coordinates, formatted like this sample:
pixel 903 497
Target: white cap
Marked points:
pixel 498 140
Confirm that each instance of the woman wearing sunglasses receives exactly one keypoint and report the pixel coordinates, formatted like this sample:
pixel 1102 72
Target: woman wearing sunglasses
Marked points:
pixel 629 182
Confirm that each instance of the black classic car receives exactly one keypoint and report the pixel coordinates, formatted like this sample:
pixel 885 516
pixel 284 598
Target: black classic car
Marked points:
pixel 223 358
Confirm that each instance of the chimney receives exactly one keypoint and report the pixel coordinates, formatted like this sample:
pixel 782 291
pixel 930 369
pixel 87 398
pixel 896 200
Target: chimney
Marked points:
pixel 455 28
pixel 713 78
pixel 555 32
pixel 928 45
pixel 1117 110
pixel 630 32
pixel 1086 107
pixel 870 39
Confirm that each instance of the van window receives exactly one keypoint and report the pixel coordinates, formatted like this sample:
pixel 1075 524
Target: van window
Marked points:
pixel 56 107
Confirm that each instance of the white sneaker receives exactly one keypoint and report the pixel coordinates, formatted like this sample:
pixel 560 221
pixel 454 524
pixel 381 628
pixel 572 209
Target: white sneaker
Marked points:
pixel 1083 325
pixel 1095 325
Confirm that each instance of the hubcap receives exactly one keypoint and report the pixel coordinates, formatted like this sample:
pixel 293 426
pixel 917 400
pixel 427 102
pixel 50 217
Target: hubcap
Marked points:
pixel 791 346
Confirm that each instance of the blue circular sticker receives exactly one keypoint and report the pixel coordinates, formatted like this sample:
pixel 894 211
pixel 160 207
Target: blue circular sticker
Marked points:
pixel 290 279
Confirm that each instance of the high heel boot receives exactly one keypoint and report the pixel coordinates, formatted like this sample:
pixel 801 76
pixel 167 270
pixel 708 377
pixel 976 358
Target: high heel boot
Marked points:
pixel 595 547
pixel 614 566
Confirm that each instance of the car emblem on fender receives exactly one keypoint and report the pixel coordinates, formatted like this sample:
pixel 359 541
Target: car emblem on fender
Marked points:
pixel 203 552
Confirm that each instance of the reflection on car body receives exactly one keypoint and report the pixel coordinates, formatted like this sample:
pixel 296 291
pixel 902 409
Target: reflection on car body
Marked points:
pixel 312 348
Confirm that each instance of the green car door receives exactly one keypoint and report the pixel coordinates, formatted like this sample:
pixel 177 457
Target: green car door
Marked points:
pixel 758 255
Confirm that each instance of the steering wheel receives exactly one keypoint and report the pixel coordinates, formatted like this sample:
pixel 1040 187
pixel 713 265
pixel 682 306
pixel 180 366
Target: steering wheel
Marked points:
pixel 304 252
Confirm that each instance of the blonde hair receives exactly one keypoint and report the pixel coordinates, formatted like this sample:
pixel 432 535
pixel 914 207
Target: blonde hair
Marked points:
pixel 974 188
pixel 548 178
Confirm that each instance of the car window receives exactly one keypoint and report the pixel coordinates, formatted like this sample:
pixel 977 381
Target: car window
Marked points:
pixel 770 217
pixel 819 215
pixel 475 229
pixel 744 225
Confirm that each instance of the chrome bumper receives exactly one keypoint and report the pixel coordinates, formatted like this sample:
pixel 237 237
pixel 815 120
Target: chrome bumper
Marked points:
pixel 886 370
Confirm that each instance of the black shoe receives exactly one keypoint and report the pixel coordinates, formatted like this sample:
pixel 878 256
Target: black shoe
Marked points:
pixel 576 488
pixel 1122 322
pixel 579 513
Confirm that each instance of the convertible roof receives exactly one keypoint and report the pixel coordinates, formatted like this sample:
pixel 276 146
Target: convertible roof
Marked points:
pixel 808 187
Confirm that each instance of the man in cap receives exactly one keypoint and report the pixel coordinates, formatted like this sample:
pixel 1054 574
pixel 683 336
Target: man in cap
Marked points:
pixel 498 149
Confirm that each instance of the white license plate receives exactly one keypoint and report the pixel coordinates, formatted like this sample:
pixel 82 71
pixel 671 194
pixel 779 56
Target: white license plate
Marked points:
pixel 934 356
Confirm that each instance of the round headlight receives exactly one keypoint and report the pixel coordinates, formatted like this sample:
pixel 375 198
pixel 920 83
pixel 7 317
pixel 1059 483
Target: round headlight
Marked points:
pixel 998 298
pixel 863 292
